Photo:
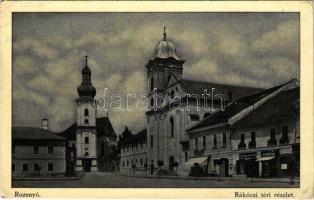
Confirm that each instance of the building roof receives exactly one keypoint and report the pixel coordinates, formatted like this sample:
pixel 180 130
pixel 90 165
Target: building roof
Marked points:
pixel 198 87
pixel 103 127
pixel 234 108
pixel 277 109
pixel 32 133
pixel 135 138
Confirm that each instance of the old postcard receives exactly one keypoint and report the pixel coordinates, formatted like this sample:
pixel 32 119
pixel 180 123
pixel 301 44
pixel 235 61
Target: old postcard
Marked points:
pixel 157 99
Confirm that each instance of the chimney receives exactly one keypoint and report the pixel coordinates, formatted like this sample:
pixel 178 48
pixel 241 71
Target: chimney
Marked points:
pixel 44 123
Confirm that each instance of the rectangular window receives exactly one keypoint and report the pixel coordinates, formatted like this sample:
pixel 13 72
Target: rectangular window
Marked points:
pixel 35 149
pixel 13 167
pixel 284 135
pixel 272 133
pixel 50 149
pixel 214 141
pixel 86 121
pixel 151 141
pixel 123 164
pixel 186 156
pixel 195 143
pixel 224 139
pixel 127 163
pixel 204 142
pixel 86 112
pixel 86 140
pixel 50 167
pixel 25 167
pixel 252 136
pixel 252 143
pixel 36 167
pixel 141 161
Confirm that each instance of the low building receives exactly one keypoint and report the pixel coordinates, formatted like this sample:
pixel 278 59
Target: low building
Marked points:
pixel 37 152
pixel 266 143
pixel 134 154
pixel 214 141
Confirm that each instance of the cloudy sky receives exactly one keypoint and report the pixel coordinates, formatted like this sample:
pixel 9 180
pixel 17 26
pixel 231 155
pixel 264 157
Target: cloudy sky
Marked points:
pixel 252 49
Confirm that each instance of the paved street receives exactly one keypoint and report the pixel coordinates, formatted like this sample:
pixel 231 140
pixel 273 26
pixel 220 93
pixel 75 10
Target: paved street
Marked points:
pixel 109 180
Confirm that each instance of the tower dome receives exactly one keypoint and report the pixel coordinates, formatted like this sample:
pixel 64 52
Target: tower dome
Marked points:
pixel 165 49
pixel 86 88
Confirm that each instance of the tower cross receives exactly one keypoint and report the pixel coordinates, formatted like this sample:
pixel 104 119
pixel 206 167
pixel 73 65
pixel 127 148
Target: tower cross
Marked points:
pixel 86 59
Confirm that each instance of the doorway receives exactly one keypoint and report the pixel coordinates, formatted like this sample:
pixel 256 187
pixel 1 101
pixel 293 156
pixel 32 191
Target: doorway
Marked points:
pixel 87 164
pixel 224 167
pixel 171 163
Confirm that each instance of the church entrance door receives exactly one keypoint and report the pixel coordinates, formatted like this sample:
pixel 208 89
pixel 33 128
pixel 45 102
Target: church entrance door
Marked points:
pixel 87 164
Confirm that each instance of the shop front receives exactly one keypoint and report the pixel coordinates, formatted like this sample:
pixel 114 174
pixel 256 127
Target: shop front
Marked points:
pixel 247 165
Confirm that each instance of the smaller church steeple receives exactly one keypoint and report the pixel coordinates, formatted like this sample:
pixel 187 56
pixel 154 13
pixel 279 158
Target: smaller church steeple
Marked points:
pixel 86 88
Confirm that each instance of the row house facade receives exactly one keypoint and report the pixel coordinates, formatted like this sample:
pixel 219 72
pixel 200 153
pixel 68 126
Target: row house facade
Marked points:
pixel 256 136
pixel 133 157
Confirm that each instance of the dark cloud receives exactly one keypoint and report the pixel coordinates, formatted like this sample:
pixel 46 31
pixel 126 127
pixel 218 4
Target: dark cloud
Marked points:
pixel 256 49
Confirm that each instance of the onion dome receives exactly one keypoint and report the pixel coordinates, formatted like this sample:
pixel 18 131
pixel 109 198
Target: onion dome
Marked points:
pixel 165 49
pixel 86 88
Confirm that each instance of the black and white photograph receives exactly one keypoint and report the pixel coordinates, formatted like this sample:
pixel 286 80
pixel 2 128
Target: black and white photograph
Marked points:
pixel 155 100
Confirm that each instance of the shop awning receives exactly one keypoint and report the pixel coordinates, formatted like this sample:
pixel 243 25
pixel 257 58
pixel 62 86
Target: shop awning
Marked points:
pixel 200 160
pixel 265 158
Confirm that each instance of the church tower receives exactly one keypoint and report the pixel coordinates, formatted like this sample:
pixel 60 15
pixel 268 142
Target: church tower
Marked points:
pixel 161 67
pixel 86 123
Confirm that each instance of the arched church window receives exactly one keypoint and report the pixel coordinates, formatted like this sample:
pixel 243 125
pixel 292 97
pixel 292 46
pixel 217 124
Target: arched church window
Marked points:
pixel 102 148
pixel 172 126
pixel 86 112
pixel 152 102
pixel 151 84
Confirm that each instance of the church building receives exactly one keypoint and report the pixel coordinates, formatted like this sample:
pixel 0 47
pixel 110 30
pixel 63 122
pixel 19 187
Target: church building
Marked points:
pixel 91 140
pixel 167 140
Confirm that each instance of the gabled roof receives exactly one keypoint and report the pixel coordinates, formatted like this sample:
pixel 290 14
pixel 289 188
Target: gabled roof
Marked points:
pixel 235 107
pixel 103 127
pixel 132 139
pixel 198 87
pixel 32 133
pixel 280 108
